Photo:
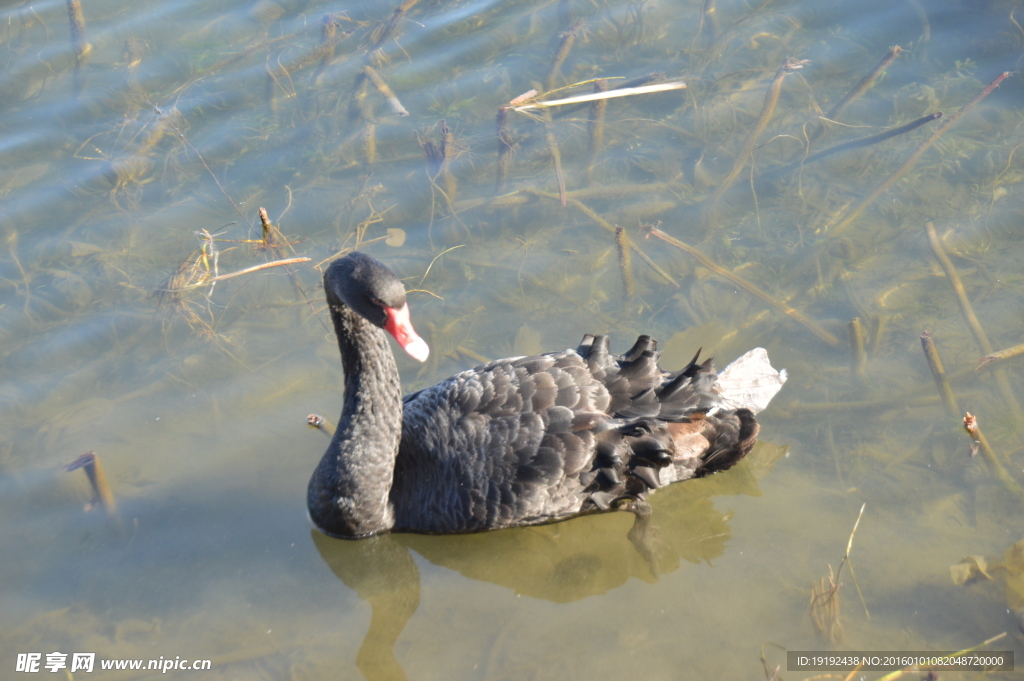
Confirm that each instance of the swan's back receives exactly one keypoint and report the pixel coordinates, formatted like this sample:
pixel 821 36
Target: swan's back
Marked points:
pixel 535 439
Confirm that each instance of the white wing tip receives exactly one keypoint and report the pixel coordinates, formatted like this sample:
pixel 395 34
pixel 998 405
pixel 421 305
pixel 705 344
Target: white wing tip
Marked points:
pixel 750 381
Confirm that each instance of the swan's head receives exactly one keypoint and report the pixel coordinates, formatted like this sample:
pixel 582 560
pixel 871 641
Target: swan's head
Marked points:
pixel 369 288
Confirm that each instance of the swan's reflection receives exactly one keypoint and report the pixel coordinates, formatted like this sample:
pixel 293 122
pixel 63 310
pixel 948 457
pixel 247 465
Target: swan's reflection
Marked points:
pixel 561 562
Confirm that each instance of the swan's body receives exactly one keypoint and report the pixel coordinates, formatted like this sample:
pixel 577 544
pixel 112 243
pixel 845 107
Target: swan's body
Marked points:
pixel 518 441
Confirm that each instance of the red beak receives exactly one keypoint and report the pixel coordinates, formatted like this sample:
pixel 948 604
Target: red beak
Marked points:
pixel 400 326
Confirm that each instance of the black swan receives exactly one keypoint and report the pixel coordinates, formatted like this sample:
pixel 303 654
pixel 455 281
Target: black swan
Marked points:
pixel 519 441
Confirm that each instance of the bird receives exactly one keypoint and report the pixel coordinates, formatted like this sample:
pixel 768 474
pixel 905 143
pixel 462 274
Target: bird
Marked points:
pixel 518 441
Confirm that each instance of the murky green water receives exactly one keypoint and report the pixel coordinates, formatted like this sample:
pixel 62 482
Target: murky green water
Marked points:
pixel 132 175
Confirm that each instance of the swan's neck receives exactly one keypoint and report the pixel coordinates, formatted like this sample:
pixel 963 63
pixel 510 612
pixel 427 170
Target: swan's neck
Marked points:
pixel 350 489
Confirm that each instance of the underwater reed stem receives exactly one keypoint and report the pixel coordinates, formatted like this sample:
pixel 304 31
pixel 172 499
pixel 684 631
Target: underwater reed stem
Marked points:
pixel 981 442
pixel 855 144
pixel 958 288
pixel 1000 356
pixel 504 149
pixel 931 354
pixel 583 208
pixel 98 481
pixel 568 38
pixel 321 424
pixel 386 29
pixel 595 129
pixel 770 100
pixel 812 326
pixel 385 90
pixel 967 311
pixel 858 355
pixel 622 244
pixel 888 182
pixel 865 83
pixel 76 17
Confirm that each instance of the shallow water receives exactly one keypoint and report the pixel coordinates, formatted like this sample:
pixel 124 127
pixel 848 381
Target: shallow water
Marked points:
pixel 150 155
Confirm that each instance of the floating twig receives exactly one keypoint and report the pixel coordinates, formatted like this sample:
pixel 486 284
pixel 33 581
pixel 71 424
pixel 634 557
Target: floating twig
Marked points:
pixel 812 326
pixel 256 268
pixel 203 281
pixel 931 354
pixel 613 83
pixel 888 182
pixel 593 96
pixel 770 100
pixel 98 480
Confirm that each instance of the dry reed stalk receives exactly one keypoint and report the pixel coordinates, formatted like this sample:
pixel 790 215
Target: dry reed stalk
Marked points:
pixel 595 96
